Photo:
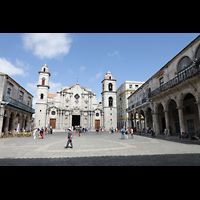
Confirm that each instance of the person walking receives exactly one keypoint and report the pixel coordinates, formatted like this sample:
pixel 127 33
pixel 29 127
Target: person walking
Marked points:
pixel 166 132
pixel 69 139
pixel 123 132
pixel 131 130
pixel 41 133
pixel 74 131
pixel 34 133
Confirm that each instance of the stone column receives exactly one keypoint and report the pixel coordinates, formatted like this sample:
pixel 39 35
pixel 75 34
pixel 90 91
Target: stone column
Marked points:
pixel 2 111
pixel 70 119
pixel 167 120
pixel 92 120
pixel 156 126
pixel 145 121
pixel 81 119
pixel 134 125
pixel 140 124
pixel 198 104
pixel 6 124
pixel 181 119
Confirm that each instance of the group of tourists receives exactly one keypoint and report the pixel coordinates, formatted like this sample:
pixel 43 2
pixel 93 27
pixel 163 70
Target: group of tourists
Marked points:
pixel 40 132
pixel 125 132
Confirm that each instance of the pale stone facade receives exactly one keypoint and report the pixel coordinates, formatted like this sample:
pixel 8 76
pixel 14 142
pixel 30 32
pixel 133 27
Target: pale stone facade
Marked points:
pixel 171 97
pixel 74 106
pixel 123 92
pixel 109 101
pixel 15 106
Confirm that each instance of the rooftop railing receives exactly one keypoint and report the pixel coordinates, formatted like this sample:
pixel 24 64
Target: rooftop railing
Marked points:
pixel 187 73
pixel 17 104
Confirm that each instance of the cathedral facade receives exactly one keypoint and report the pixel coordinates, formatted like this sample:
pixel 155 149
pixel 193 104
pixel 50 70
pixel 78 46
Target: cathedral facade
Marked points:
pixel 75 105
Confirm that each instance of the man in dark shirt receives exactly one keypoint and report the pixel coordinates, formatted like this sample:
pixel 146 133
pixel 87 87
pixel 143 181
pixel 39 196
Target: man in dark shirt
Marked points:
pixel 69 138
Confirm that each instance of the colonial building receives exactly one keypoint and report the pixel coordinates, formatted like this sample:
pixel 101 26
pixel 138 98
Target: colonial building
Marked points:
pixel 123 92
pixel 15 106
pixel 75 105
pixel 171 97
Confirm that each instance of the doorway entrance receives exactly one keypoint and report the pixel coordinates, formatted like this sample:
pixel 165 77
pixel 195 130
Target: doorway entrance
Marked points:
pixel 75 120
pixel 190 125
pixel 53 123
pixel 97 124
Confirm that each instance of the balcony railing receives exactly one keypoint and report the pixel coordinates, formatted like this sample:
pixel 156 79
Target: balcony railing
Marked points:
pixel 17 104
pixel 185 74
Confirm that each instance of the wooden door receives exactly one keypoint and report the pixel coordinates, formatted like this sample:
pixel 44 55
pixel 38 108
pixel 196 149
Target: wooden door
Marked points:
pixel 53 123
pixel 97 124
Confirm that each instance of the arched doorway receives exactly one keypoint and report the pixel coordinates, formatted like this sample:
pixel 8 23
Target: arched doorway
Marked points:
pixel 174 126
pixel 11 125
pixel 149 119
pixel 161 118
pixel 191 115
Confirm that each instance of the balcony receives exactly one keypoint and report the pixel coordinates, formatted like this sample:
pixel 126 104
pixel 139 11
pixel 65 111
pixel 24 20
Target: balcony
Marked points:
pixel 14 103
pixel 183 75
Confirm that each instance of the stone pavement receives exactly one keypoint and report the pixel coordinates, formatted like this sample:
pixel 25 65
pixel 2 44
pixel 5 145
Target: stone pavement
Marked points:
pixel 99 150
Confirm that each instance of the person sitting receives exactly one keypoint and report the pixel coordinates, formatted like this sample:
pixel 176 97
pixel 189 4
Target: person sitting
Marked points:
pixel 184 135
pixel 194 136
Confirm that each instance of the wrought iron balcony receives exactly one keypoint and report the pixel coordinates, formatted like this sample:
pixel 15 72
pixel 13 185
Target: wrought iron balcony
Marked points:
pixel 187 73
pixel 13 102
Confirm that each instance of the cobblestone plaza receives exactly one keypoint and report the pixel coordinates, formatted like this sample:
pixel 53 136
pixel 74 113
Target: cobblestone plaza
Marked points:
pixel 99 150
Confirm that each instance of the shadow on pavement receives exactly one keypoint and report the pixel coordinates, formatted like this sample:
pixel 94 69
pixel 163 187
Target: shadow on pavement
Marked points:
pixel 136 160
pixel 174 138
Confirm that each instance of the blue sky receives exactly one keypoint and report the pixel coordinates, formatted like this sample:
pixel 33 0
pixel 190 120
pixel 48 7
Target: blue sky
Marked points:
pixel 87 56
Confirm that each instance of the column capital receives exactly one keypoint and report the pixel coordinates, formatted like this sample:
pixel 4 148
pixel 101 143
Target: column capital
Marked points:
pixel 180 107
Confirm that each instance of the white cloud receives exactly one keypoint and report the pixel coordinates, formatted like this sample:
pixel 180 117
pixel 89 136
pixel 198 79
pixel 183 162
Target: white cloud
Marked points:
pixel 113 54
pixel 8 68
pixel 96 77
pixel 47 45
pixel 32 88
pixel 70 71
pixel 82 68
pixel 54 87
pixel 22 64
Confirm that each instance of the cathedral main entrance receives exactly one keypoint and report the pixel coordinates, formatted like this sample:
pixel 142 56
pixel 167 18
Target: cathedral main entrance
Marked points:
pixel 75 120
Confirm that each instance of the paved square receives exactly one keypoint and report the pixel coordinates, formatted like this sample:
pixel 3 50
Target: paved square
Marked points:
pixel 94 149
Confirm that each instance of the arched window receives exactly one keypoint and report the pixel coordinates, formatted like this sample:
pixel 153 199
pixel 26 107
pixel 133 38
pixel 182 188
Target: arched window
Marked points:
pixel 110 102
pixel 198 53
pixel 110 86
pixel 43 81
pixel 41 96
pixel 185 62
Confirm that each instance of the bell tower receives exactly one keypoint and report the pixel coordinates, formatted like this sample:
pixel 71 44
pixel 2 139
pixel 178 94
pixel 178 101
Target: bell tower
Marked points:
pixel 109 101
pixel 42 95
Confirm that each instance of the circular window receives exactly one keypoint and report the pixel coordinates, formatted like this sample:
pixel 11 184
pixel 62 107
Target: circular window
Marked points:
pixel 76 96
pixel 97 114
pixel 53 112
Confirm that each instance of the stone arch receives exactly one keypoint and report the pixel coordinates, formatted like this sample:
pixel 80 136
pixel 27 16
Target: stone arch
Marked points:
pixel 197 52
pixel 149 118
pixel 161 117
pixel 184 62
pixel 191 114
pixel 11 125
